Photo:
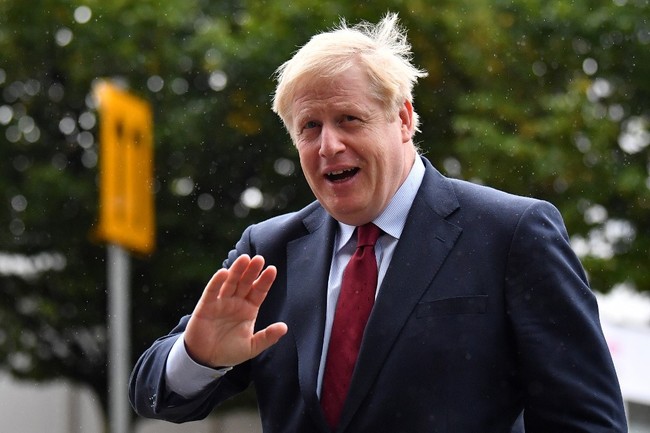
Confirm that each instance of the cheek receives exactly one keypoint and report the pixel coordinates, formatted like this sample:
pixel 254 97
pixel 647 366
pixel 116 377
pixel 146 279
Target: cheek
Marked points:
pixel 308 163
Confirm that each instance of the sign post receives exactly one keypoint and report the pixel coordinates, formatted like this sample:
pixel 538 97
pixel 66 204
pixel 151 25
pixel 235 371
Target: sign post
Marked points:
pixel 119 342
pixel 126 222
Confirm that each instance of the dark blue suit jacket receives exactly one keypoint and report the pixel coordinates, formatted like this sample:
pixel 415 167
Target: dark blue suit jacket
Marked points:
pixel 484 314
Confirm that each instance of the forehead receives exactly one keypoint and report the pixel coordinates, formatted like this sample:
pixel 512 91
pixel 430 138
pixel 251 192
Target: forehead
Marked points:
pixel 347 90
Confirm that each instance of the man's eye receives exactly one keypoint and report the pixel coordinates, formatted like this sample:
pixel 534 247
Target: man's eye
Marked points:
pixel 348 118
pixel 311 124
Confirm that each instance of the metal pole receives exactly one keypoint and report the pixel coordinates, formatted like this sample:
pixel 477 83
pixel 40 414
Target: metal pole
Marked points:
pixel 119 331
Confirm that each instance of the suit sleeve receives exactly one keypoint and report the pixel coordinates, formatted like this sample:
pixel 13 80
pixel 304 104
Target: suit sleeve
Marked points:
pixel 147 389
pixel 569 380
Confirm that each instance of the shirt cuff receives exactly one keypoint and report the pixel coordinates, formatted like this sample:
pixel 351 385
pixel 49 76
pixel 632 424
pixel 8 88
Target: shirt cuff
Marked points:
pixel 186 377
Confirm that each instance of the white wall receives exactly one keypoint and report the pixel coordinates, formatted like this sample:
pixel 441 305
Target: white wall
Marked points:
pixel 630 348
pixel 58 407
pixel 54 407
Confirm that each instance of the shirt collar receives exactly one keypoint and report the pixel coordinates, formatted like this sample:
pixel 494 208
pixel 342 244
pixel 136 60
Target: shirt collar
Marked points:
pixel 393 217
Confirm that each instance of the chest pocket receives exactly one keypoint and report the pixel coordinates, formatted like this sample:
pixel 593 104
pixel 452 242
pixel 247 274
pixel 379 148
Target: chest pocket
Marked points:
pixel 476 304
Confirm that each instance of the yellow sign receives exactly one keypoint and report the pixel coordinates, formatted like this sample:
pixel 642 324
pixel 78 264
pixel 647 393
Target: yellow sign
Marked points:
pixel 126 214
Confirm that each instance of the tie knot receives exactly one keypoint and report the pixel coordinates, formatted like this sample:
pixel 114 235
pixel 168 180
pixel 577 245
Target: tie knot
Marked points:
pixel 367 235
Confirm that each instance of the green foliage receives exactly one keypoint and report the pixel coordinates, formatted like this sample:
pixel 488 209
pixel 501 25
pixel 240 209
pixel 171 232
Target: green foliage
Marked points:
pixel 548 117
pixel 532 97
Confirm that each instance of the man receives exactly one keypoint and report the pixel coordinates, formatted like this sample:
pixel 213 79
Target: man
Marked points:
pixel 482 320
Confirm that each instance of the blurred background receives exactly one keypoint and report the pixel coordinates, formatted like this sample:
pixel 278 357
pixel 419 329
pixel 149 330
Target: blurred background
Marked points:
pixel 544 98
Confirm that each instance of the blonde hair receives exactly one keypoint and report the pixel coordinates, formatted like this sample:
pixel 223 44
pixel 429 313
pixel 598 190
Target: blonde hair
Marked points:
pixel 382 50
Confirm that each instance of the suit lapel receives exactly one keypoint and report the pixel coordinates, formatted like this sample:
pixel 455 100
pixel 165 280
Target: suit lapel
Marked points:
pixel 308 261
pixel 410 273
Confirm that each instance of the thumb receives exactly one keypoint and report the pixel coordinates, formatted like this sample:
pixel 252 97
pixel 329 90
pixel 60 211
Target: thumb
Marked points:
pixel 267 337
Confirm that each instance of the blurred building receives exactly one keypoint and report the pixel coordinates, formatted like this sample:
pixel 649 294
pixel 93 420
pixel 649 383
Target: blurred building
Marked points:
pixel 625 316
pixel 58 407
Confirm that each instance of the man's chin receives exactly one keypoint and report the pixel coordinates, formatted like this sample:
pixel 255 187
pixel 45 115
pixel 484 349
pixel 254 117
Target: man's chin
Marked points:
pixel 351 215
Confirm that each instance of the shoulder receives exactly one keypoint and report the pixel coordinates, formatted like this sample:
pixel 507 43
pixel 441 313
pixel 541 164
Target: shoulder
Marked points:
pixel 484 207
pixel 450 196
pixel 272 235
pixel 482 196
pixel 500 201
pixel 516 217
pixel 447 195
pixel 291 224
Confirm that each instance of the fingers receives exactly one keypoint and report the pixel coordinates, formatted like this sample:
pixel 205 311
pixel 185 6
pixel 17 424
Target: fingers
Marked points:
pixel 216 282
pixel 267 337
pixel 262 285
pixel 210 293
pixel 240 276
pixel 233 275
pixel 246 278
pixel 249 276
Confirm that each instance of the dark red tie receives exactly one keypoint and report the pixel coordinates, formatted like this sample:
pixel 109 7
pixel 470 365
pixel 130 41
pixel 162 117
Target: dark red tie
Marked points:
pixel 352 311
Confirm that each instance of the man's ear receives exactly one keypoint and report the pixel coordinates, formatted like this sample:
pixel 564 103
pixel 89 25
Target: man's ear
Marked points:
pixel 406 119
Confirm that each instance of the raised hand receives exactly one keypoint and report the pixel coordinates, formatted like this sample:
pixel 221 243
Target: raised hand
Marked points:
pixel 220 332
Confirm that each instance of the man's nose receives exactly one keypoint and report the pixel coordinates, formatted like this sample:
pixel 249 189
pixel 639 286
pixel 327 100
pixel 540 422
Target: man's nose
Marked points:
pixel 330 142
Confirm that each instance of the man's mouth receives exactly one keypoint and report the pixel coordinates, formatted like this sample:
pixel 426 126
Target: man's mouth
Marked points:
pixel 341 175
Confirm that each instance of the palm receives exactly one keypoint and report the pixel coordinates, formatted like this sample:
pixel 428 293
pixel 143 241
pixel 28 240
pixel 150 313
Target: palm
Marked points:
pixel 221 329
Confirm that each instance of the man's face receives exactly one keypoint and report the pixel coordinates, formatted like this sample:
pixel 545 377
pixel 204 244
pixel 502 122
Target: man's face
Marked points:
pixel 353 155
